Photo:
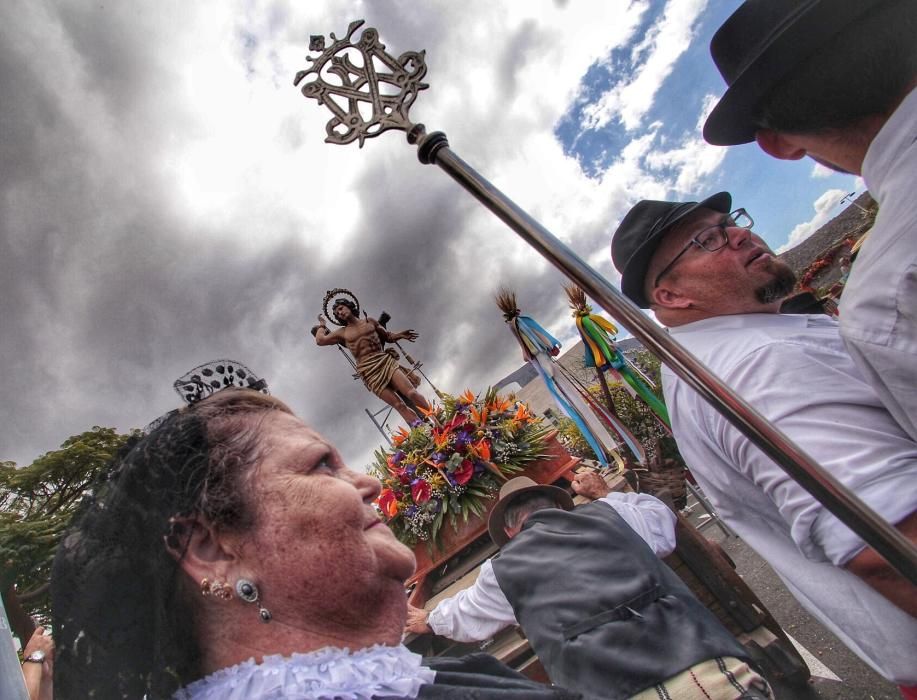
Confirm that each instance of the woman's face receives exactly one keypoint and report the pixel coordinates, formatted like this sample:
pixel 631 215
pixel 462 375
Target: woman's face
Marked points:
pixel 318 549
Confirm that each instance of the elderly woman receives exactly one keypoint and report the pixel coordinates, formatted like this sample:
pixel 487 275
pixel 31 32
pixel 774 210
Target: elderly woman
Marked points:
pixel 232 554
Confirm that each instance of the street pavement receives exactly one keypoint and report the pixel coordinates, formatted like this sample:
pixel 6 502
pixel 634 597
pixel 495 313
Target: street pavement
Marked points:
pixel 838 674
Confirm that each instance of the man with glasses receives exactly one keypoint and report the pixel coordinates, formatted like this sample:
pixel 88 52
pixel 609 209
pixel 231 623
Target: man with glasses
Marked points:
pixel 718 288
pixel 836 80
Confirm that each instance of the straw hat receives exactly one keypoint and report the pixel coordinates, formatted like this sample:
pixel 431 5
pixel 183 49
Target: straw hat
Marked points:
pixel 511 490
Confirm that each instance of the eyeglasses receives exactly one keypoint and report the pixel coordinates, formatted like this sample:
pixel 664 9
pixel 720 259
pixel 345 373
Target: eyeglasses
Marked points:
pixel 712 238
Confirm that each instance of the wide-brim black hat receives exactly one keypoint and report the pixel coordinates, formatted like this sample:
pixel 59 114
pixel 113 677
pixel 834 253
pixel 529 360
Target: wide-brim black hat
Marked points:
pixel 511 490
pixel 759 45
pixel 640 232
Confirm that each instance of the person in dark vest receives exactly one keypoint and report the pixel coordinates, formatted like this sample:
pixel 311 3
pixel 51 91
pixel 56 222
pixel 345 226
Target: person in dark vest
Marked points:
pixel 605 616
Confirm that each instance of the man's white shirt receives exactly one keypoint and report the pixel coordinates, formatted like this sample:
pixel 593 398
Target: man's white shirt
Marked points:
pixel 794 369
pixel 878 310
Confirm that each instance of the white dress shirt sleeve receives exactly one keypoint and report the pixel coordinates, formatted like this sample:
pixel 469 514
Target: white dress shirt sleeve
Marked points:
pixel 648 517
pixel 476 613
pixel 852 441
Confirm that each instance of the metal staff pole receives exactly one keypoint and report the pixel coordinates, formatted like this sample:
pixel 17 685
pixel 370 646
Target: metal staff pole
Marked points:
pixel 360 84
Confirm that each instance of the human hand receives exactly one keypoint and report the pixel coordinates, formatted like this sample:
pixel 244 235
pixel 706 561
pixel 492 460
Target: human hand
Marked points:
pixel 417 621
pixel 409 334
pixel 591 485
pixel 39 642
pixel 39 678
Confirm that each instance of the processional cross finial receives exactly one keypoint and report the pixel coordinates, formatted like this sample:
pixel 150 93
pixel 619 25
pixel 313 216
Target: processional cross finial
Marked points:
pixel 367 97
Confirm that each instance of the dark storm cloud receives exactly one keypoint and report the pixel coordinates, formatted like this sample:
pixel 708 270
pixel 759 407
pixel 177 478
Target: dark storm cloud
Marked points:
pixel 106 294
pixel 109 290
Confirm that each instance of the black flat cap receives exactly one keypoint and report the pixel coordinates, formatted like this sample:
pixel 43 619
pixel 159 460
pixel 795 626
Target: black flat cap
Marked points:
pixel 641 231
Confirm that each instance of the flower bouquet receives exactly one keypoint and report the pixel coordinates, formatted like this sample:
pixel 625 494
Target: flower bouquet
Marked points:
pixel 450 464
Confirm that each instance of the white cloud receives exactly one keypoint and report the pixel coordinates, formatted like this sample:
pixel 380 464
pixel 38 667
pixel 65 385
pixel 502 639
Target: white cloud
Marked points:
pixel 653 60
pixel 820 172
pixel 693 159
pixel 824 211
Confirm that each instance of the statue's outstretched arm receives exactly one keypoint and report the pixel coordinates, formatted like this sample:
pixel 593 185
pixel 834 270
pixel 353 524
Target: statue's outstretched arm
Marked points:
pixel 322 335
pixel 410 334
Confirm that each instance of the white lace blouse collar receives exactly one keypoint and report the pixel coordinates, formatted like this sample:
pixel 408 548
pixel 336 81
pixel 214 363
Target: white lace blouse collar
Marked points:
pixel 326 673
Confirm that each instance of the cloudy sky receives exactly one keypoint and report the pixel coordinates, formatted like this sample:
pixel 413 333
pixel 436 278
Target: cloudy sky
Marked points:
pixel 166 197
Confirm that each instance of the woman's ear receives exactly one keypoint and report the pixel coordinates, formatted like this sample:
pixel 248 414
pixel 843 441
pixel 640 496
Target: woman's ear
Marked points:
pixel 199 548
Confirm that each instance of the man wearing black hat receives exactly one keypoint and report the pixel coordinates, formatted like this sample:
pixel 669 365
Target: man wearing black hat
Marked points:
pixel 718 288
pixel 605 616
pixel 837 80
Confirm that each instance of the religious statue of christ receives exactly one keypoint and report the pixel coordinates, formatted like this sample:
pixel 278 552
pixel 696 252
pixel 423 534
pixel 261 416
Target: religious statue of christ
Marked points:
pixel 376 366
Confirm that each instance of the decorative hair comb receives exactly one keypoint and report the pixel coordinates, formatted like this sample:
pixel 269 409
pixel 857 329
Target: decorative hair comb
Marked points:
pixel 211 377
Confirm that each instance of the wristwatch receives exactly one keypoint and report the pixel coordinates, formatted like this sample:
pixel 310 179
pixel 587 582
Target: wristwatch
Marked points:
pixel 37 657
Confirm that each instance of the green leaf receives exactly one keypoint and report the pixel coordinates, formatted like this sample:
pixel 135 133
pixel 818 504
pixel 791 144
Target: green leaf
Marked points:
pixel 39 501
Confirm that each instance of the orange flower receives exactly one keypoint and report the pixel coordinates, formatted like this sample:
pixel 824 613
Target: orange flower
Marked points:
pixel 522 413
pixel 498 405
pixel 400 436
pixel 482 447
pixel 428 411
pixel 467 396
pixel 479 417
pixel 441 437
pixel 388 503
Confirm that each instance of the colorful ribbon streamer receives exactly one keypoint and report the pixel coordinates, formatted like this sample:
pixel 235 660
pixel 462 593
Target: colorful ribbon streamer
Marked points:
pixel 538 347
pixel 603 354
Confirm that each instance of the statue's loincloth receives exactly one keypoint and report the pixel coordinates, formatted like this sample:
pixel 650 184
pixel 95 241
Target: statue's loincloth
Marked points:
pixel 376 370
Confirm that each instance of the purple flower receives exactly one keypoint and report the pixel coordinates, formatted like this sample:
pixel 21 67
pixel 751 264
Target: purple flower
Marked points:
pixel 410 469
pixel 397 457
pixel 479 467
pixel 411 511
pixel 438 457
pixel 416 422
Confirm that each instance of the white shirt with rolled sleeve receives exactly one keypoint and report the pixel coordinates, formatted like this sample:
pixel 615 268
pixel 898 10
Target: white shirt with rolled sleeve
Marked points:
pixel 878 310
pixel 795 370
pixel 480 611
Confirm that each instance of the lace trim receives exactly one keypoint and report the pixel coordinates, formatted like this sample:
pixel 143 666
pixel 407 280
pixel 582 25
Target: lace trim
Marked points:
pixel 326 673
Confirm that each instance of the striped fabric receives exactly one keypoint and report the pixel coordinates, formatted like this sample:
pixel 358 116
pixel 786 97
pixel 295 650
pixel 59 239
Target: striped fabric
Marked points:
pixel 718 679
pixel 376 370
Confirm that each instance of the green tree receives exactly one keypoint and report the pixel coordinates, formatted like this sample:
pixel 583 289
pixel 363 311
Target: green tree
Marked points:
pixel 38 502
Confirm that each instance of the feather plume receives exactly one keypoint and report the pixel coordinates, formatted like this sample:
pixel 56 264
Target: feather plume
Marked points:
pixel 577 298
pixel 506 301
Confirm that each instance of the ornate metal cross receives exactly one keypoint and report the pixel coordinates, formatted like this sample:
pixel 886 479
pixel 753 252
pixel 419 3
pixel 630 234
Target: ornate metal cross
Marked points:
pixel 380 86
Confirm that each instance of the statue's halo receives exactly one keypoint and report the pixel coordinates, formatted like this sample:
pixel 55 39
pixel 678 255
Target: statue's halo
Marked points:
pixel 329 298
